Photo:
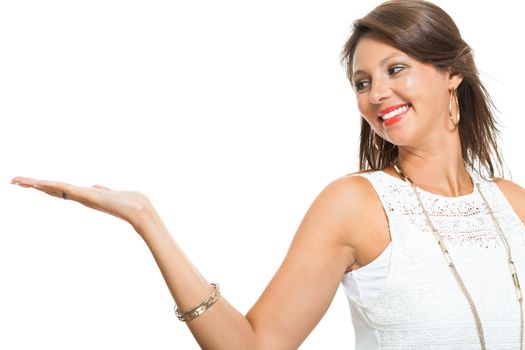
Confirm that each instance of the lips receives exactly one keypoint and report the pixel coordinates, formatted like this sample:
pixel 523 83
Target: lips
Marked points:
pixel 393 114
pixel 390 109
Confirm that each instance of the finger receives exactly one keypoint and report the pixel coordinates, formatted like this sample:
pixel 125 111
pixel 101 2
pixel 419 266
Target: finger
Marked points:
pixel 100 187
pixel 61 189
pixel 53 188
pixel 23 181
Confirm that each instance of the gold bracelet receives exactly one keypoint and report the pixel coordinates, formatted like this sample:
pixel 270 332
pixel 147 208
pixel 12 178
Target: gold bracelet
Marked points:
pixel 201 308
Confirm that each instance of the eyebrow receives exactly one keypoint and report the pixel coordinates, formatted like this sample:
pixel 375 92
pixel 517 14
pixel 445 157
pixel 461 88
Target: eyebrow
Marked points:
pixel 382 62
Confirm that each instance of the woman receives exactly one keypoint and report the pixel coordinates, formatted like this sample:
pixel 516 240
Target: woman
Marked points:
pixel 429 251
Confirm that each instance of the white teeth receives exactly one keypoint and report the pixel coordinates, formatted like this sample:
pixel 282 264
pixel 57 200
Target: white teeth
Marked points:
pixel 395 112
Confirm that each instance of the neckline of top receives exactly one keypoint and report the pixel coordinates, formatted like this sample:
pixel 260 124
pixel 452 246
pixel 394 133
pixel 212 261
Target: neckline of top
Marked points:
pixel 473 176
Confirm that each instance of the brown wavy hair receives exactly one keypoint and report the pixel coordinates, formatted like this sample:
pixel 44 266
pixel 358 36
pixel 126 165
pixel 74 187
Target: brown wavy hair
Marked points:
pixel 427 33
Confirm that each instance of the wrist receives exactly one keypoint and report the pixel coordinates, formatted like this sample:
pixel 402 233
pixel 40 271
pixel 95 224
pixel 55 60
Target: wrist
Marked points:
pixel 144 218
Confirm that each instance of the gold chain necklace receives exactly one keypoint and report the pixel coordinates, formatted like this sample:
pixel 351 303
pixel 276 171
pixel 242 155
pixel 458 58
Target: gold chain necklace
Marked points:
pixel 452 266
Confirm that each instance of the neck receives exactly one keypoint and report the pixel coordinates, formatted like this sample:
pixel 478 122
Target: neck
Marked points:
pixel 441 173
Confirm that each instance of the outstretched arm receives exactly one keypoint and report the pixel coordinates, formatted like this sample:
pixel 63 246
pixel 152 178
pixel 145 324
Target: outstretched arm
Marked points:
pixel 296 298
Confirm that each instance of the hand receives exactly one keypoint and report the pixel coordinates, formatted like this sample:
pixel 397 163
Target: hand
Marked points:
pixel 128 205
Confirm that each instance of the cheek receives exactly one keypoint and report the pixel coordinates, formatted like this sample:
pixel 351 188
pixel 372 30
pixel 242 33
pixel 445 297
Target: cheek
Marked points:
pixel 424 89
pixel 411 85
pixel 366 111
pixel 363 105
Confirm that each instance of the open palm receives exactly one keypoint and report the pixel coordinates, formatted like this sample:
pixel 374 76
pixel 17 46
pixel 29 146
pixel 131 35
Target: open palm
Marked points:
pixel 127 205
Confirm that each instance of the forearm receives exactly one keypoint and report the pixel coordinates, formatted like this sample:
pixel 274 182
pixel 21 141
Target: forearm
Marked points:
pixel 282 317
pixel 221 326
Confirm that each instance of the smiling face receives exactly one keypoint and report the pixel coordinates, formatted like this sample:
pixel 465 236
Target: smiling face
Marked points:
pixel 404 100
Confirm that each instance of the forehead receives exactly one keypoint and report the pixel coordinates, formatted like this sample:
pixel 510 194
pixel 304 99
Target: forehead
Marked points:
pixel 372 50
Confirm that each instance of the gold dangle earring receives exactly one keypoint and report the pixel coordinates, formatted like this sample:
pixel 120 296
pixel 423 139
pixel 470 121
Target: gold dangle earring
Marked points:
pixel 454 100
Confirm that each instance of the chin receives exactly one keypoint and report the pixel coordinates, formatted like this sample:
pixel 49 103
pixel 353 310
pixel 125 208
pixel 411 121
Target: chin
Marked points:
pixel 402 138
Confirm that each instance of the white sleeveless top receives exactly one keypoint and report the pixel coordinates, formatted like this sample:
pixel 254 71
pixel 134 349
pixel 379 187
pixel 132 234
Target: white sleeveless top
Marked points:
pixel 417 304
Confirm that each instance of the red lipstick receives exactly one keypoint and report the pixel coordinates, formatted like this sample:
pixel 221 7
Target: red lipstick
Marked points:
pixel 402 111
pixel 395 119
pixel 390 109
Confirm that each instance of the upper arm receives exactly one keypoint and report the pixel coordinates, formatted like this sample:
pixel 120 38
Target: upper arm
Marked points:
pixel 302 289
pixel 515 195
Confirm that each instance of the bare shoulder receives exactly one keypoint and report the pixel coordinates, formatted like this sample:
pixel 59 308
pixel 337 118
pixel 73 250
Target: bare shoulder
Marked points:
pixel 350 193
pixel 515 194
pixel 352 201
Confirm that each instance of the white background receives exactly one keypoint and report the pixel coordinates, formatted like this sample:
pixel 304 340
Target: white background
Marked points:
pixel 232 116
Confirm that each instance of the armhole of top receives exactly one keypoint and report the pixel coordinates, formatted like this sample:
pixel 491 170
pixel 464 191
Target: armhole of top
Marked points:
pixel 353 283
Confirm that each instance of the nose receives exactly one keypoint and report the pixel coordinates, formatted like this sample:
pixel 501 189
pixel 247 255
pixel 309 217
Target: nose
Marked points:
pixel 379 91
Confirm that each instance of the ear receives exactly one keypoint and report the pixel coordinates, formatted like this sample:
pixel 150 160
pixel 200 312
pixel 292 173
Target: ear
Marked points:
pixel 454 79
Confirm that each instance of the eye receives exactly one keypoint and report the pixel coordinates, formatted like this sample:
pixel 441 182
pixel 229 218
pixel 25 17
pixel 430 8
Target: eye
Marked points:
pixel 361 85
pixel 395 69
